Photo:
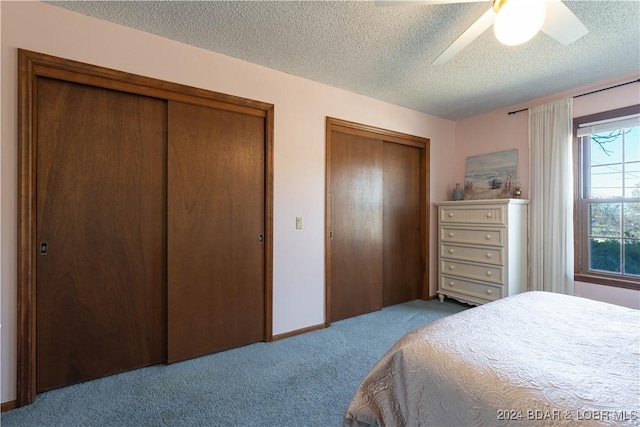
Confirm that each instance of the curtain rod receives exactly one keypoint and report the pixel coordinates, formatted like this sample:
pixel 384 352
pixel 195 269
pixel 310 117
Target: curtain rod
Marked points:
pixel 584 94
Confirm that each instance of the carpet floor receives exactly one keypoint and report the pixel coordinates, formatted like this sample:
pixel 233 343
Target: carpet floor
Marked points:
pixel 306 380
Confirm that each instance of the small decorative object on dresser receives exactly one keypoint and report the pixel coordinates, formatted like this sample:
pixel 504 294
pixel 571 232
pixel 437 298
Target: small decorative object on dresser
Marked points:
pixel 457 192
pixel 517 192
pixel 482 249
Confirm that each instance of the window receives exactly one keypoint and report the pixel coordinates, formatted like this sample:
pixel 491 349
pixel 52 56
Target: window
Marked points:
pixel 607 229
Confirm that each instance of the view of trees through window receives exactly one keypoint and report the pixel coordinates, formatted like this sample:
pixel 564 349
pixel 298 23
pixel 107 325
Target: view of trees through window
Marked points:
pixel 613 189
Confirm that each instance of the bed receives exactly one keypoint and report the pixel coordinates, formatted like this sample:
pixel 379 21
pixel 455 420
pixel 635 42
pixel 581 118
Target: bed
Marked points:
pixel 535 358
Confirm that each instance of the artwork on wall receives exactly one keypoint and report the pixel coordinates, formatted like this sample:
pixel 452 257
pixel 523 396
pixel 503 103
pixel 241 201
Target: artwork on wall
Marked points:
pixel 491 176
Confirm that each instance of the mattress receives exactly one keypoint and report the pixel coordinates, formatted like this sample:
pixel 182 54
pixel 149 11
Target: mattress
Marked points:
pixel 536 358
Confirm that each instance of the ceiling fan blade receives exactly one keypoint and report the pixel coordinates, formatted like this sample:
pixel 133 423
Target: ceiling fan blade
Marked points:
pixel 385 3
pixel 562 24
pixel 473 32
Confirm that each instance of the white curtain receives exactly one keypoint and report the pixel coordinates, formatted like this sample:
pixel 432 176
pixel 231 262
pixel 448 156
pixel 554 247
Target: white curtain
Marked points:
pixel 551 194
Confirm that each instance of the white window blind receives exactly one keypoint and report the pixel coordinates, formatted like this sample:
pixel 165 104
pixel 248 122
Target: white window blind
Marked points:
pixel 608 125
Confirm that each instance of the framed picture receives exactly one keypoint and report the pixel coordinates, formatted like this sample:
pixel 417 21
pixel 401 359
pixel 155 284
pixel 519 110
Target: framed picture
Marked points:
pixel 491 176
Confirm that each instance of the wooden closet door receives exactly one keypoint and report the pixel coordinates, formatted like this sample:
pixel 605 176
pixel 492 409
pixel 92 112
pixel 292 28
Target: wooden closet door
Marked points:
pixel 100 217
pixel 215 217
pixel 402 270
pixel 356 191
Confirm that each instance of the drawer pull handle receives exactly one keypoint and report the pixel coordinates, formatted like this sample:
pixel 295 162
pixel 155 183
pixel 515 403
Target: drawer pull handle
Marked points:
pixel 488 273
pixel 488 237
pixel 450 214
pixel 489 291
pixel 451 251
pixel 488 254
pixel 488 214
pixel 450 234
pixel 451 267
pixel 451 284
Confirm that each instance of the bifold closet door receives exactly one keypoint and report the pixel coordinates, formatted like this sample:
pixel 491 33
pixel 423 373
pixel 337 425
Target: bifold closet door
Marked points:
pixel 216 225
pixel 101 232
pixel 403 268
pixel 356 191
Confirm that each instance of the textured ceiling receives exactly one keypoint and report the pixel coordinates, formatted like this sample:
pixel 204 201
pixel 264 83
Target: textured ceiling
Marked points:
pixel 386 52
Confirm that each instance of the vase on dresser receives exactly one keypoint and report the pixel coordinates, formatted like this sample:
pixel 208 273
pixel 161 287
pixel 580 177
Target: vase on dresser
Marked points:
pixel 482 249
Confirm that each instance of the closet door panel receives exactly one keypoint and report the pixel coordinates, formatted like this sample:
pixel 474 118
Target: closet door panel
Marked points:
pixel 356 191
pixel 216 190
pixel 402 270
pixel 101 219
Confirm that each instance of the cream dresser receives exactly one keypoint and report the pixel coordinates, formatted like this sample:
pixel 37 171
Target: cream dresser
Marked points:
pixel 482 249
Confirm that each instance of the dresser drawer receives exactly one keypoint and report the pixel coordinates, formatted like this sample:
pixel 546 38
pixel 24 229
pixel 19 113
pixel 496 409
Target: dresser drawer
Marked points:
pixel 488 255
pixel 487 272
pixel 476 214
pixel 467 287
pixel 487 236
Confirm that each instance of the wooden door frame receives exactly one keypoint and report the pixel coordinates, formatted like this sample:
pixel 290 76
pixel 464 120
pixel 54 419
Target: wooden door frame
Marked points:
pixel 344 126
pixel 32 65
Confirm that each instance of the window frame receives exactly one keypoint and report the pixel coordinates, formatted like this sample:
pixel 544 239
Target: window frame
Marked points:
pixel 581 207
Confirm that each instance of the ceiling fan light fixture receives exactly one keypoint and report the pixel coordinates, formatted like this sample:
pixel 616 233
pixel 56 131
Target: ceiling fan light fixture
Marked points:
pixel 517 21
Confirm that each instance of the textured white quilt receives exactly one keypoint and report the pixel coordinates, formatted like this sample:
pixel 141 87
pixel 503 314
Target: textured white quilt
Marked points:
pixel 535 358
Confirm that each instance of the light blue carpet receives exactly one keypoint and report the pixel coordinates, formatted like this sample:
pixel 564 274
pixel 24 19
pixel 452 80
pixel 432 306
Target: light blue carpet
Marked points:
pixel 307 380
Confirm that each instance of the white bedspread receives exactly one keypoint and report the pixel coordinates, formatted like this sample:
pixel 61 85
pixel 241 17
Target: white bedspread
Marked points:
pixel 536 358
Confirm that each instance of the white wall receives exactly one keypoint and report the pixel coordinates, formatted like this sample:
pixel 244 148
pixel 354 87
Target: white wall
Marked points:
pixel 618 296
pixel 300 110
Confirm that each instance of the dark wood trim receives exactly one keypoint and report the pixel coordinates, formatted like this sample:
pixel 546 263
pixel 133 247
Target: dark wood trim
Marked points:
pixel 375 132
pixel 66 69
pixel 299 332
pixel 607 280
pixel 187 96
pixel 352 128
pixel 30 66
pixel 327 223
pixel 26 385
pixel 7 406
pixel 268 217
pixel 577 186
pixel 425 207
pixel 580 226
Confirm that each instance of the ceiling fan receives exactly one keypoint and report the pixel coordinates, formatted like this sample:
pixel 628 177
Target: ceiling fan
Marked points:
pixel 514 22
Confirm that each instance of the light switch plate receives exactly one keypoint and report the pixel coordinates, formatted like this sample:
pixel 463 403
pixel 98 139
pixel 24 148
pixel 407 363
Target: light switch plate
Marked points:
pixel 298 223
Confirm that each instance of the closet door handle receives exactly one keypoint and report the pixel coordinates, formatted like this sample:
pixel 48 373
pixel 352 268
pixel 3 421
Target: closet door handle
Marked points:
pixel 261 238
